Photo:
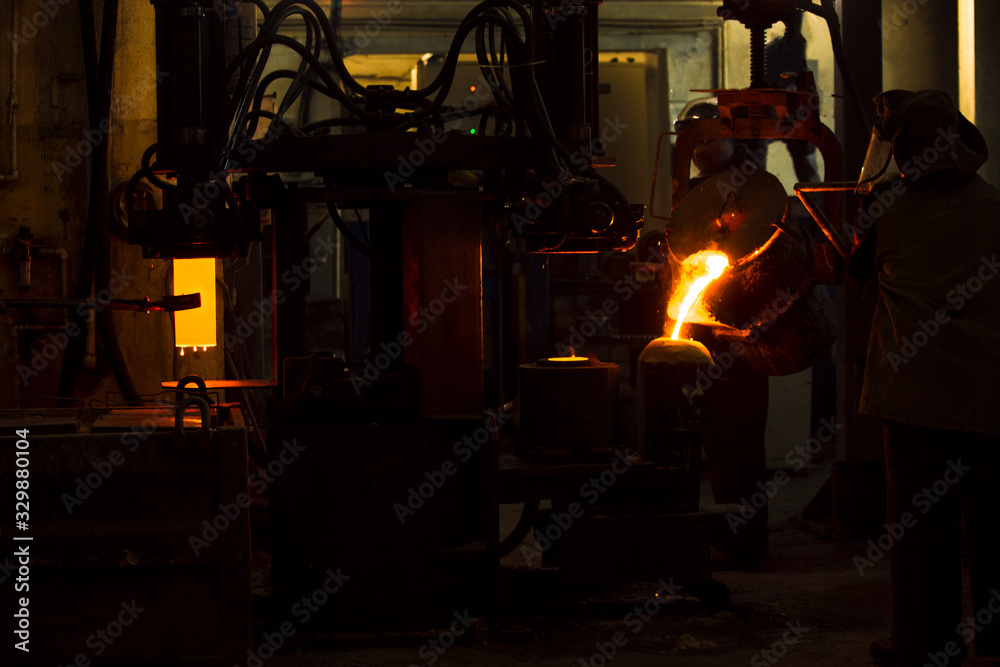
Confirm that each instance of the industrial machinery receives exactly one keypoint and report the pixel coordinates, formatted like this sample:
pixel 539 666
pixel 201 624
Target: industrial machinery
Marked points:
pixel 414 400
pixel 767 305
pixel 539 165
pixel 370 426
pixel 401 463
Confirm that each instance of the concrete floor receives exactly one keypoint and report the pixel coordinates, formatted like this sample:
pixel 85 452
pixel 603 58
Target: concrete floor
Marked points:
pixel 808 583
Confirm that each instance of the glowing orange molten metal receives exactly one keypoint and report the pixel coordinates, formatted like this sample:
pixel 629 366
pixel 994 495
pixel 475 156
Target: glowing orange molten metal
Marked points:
pixel 697 272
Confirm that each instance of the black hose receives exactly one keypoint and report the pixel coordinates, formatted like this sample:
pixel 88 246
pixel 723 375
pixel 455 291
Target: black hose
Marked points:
pixel 521 530
pixel 263 44
pixel 345 230
pixel 99 78
pixel 295 88
pixel 95 107
pixel 486 12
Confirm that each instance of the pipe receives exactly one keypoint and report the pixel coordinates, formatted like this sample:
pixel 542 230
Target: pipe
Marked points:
pixel 823 222
pixel 18 330
pixel 521 530
pixel 246 401
pixel 274 304
pixel 12 104
pixel 63 258
pixel 89 360
pixel 99 70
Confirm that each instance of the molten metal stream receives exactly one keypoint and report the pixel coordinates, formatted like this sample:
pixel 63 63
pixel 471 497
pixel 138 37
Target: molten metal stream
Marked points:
pixel 712 268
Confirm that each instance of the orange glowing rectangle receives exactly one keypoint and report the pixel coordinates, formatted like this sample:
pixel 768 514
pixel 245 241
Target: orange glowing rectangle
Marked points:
pixel 195 328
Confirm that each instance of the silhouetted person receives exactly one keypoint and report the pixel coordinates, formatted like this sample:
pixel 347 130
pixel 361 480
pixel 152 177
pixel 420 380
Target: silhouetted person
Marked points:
pixel 933 372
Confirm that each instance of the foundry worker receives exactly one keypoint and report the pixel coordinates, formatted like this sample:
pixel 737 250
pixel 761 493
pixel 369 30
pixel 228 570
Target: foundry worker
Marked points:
pixel 714 155
pixel 933 370
pixel 735 441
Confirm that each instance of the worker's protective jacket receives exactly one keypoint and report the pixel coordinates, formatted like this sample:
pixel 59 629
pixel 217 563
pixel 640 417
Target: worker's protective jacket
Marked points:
pixel 934 352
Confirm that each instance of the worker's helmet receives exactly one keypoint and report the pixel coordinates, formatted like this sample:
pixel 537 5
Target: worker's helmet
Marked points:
pixel 703 107
pixel 923 137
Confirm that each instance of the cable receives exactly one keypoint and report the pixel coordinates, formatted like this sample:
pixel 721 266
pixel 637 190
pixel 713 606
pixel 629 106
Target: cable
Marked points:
pixel 118 209
pixel 295 88
pixel 250 62
pixel 329 122
pixel 520 530
pixel 285 74
pixel 153 178
pixel 348 234
pixel 264 41
pixel 446 77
